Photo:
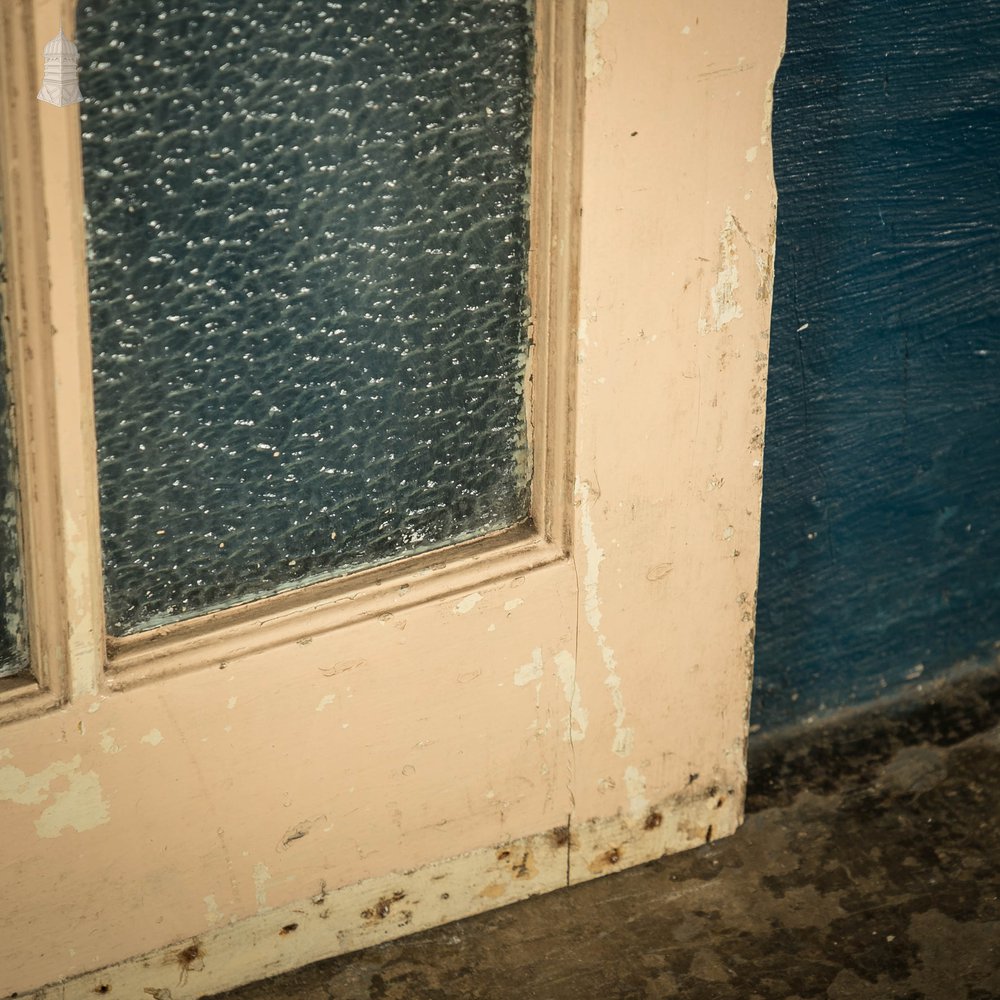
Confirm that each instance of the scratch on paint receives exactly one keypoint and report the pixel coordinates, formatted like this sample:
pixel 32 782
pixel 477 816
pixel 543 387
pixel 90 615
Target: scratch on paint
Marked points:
pixel 624 737
pixel 79 805
pixel 578 717
pixel 763 259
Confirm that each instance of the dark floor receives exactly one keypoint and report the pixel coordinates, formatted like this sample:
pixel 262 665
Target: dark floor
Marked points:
pixel 869 867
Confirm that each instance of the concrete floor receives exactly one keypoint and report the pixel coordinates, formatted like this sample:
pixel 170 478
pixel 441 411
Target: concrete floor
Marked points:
pixel 868 868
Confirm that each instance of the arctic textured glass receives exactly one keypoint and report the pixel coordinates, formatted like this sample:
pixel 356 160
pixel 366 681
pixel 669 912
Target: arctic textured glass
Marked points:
pixel 308 246
pixel 13 649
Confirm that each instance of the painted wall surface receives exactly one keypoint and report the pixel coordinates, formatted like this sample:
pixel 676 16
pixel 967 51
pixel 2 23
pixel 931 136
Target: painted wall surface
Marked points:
pixel 880 557
pixel 509 735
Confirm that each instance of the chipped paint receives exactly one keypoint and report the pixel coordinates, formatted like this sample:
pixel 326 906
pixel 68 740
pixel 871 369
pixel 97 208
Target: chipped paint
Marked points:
pixel 154 738
pixel 529 672
pixel 79 804
pixel 624 737
pixel 466 604
pixel 597 14
pixel 725 305
pixel 327 699
pixel 578 717
pixel 83 639
pixel 261 876
pixel 635 788
pixel 513 604
pixel 301 830
pixel 108 742
pixel 212 912
pixel 79 807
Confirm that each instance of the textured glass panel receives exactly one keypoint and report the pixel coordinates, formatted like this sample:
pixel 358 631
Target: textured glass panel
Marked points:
pixel 13 647
pixel 308 229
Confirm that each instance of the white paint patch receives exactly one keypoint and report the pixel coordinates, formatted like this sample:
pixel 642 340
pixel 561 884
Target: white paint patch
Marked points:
pixel 154 738
pixel 466 604
pixel 751 154
pixel 232 701
pixel 261 876
pixel 725 306
pixel 327 699
pixel 686 30
pixel 597 14
pixel 529 671
pixel 80 804
pixel 94 706
pixel 635 788
pixel 624 738
pixel 6 753
pixel 513 605
pixel 212 912
pixel 108 742
pixel 578 717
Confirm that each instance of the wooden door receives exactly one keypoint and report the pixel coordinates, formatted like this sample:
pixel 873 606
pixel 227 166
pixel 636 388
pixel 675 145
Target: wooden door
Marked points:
pixel 224 798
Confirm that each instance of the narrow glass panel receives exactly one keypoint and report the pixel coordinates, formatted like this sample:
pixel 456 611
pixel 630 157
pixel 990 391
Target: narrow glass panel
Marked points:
pixel 308 245
pixel 13 642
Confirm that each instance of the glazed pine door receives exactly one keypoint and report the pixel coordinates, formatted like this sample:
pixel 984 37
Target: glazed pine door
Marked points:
pixel 200 804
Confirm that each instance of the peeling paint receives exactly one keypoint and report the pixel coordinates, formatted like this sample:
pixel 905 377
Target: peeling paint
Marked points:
pixel 466 604
pixel 529 671
pixel 512 605
pixel 597 14
pixel 79 805
pixel 154 738
pixel 327 699
pixel 578 717
pixel 108 742
pixel 624 738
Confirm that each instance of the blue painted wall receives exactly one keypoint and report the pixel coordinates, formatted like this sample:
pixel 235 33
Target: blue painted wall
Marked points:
pixel 881 524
